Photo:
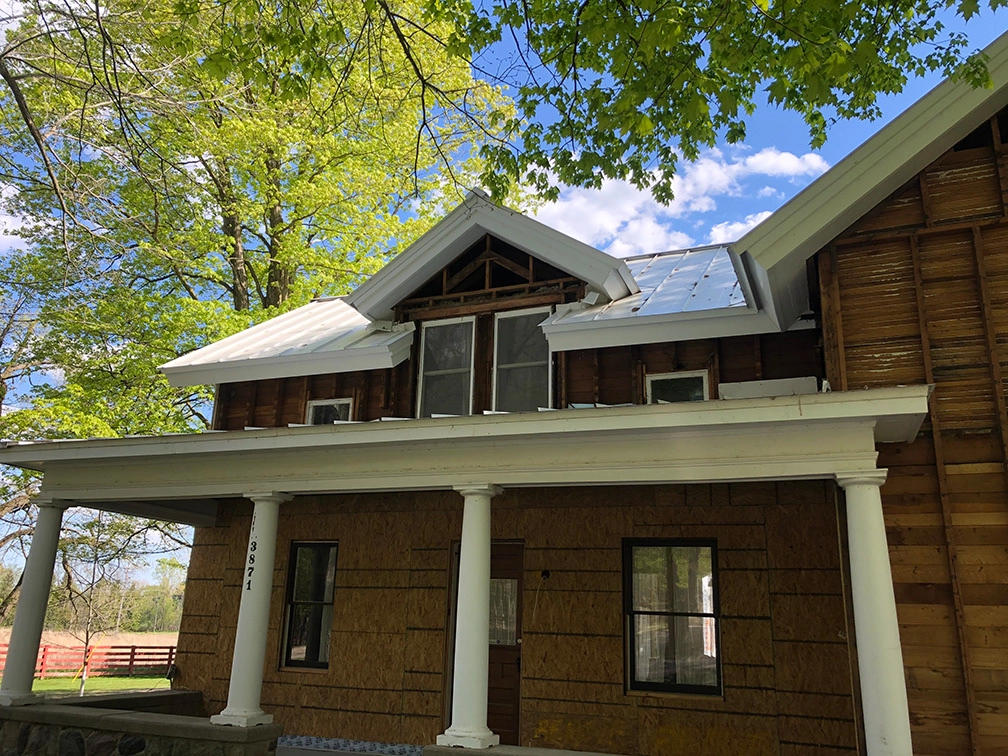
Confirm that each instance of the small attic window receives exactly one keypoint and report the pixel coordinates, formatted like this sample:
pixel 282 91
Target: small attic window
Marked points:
pixel 682 386
pixel 329 411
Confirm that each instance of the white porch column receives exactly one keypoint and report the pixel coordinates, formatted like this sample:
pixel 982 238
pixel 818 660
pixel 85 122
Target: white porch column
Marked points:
pixel 880 658
pixel 472 630
pixel 29 616
pixel 245 686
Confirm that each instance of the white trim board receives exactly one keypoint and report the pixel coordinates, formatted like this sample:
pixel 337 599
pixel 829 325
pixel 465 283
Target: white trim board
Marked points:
pixel 796 437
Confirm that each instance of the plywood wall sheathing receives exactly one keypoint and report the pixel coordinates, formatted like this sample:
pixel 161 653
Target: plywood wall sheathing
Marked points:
pixel 784 630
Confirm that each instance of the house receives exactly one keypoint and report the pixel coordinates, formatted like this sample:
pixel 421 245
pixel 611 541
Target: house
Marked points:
pixel 733 499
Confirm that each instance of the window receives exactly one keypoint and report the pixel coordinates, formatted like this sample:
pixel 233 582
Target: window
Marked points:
pixel 311 583
pixel 446 367
pixel 329 411
pixel 684 386
pixel 671 615
pixel 521 362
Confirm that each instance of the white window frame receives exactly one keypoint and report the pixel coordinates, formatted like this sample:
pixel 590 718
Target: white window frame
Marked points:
pixel 313 403
pixel 545 311
pixel 423 348
pixel 651 377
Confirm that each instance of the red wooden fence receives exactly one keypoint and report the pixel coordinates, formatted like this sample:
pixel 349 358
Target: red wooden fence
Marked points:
pixel 102 661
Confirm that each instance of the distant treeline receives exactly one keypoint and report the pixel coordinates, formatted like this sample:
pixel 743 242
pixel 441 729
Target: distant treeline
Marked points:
pixel 128 606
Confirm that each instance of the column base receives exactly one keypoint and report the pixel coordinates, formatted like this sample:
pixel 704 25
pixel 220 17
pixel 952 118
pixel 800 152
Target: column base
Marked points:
pixel 8 698
pixel 464 738
pixel 241 718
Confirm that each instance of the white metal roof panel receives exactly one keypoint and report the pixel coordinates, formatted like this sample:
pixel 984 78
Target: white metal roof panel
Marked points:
pixel 326 335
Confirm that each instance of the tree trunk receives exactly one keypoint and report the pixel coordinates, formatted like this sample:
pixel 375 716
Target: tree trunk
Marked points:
pixel 280 272
pixel 236 259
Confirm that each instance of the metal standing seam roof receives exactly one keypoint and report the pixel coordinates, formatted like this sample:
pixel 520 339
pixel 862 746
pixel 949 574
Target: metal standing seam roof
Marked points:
pixel 304 341
pixel 330 335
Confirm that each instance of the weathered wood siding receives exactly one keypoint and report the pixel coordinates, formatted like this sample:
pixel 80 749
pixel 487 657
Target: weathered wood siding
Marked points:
pixel 917 292
pixel 784 629
pixel 613 375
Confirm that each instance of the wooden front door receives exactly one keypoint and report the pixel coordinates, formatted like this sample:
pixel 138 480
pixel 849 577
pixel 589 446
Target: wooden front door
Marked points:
pixel 504 696
pixel 506 585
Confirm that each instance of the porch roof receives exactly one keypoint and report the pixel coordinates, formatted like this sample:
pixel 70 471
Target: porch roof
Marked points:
pixel 180 477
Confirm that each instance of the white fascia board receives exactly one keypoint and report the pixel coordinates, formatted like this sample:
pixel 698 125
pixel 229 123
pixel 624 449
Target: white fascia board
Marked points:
pixel 798 437
pixel 464 226
pixel 880 166
pixel 654 329
pixel 897 413
pixel 293 365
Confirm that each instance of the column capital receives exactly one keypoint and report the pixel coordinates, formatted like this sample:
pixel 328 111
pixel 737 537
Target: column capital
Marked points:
pixel 874 477
pixel 478 489
pixel 51 502
pixel 268 497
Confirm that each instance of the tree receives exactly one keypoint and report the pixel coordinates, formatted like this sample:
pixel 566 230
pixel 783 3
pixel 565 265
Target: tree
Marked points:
pixel 96 551
pixel 609 88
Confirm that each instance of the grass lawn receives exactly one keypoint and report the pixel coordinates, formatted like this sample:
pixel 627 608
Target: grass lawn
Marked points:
pixel 57 685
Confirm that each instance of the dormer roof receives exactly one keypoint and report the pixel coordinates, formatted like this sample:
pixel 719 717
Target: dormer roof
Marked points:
pixel 477 216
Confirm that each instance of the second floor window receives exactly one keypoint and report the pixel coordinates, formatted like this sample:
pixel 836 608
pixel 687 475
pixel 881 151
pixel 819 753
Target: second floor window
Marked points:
pixel 521 362
pixel 446 367
pixel 328 411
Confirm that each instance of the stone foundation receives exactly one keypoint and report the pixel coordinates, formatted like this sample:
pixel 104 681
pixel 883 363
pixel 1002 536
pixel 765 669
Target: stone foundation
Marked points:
pixel 53 729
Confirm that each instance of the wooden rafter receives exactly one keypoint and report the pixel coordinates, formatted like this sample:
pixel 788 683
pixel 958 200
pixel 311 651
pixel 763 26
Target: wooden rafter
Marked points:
pixel 946 505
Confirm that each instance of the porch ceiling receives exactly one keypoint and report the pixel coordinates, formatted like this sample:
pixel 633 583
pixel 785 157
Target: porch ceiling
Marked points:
pixel 178 477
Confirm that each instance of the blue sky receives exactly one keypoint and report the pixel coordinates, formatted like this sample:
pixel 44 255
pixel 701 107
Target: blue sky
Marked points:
pixel 732 187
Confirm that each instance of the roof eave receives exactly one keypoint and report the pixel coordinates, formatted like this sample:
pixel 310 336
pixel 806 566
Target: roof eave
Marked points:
pixel 291 365
pixel 651 329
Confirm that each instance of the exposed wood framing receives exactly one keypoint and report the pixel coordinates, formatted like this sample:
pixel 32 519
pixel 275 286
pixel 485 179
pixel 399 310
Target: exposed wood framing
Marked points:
pixel 278 407
pixel 254 400
pixel 1001 158
pixel 595 373
pixel 989 332
pixel 946 506
pixel 925 198
pixel 855 240
pixel 833 346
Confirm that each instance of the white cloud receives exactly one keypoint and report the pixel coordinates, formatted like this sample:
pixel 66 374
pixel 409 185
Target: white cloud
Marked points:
pixel 624 220
pixel 729 231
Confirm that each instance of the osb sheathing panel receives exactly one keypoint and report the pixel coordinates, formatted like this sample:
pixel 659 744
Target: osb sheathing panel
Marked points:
pixel 786 665
pixel 923 297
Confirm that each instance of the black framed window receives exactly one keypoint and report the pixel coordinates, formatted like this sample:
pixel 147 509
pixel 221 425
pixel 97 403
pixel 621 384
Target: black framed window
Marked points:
pixel 311 584
pixel 670 599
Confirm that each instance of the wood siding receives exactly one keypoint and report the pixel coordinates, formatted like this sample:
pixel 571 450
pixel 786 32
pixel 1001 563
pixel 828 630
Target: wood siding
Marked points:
pixel 613 375
pixel 917 292
pixel 784 628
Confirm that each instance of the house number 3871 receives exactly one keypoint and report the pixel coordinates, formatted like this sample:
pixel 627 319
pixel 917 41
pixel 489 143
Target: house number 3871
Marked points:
pixel 251 565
